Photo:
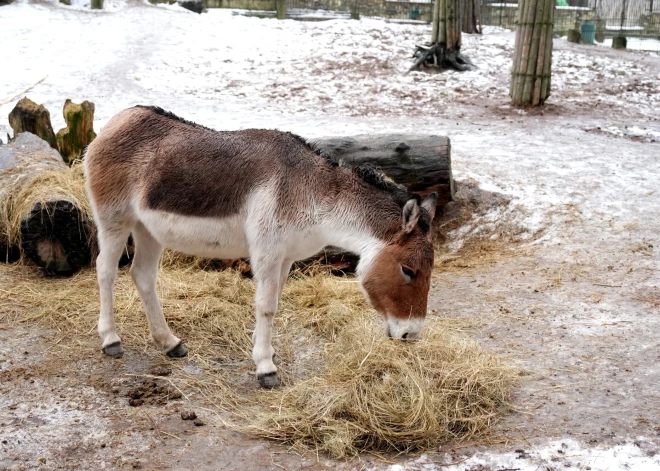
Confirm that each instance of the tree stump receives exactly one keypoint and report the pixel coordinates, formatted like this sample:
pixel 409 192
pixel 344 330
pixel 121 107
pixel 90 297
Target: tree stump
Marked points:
pixel 445 48
pixel 96 5
pixel 421 163
pixel 27 116
pixel 574 36
pixel 530 77
pixel 41 207
pixel 619 42
pixel 79 130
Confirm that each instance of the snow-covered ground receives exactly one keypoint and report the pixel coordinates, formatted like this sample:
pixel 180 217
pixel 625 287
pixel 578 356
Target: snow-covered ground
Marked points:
pixel 582 174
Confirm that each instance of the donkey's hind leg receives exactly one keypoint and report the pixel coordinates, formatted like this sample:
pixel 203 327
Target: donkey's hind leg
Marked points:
pixel 144 271
pixel 112 241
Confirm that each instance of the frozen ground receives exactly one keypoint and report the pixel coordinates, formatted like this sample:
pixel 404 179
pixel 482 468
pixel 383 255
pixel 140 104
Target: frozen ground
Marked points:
pixel 576 303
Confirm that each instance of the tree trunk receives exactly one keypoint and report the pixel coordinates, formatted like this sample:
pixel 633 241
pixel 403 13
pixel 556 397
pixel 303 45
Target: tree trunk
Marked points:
pixel 530 77
pixel 445 48
pixel 27 116
pixel 281 9
pixel 421 163
pixel 470 16
pixel 39 215
pixel 79 131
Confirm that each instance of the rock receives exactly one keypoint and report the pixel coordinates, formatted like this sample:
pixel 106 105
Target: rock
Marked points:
pixel 79 131
pixel 192 5
pixel 574 36
pixel 199 422
pixel 27 116
pixel 619 42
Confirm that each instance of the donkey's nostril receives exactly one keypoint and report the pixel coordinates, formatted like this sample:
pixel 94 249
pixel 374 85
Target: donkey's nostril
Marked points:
pixel 404 336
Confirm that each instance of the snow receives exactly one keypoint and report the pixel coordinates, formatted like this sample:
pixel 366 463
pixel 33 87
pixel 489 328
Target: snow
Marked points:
pixel 566 455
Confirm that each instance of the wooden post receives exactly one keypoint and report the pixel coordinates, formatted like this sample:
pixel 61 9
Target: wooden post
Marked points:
pixel 530 76
pixel 79 131
pixel 96 5
pixel 281 9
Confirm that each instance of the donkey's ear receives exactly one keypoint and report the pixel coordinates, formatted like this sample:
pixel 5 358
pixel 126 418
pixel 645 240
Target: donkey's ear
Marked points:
pixel 410 215
pixel 430 203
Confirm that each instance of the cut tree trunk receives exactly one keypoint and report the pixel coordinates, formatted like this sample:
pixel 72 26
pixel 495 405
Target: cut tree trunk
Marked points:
pixel 280 5
pixel 27 116
pixel 421 163
pixel 530 77
pixel 97 5
pixel 51 231
pixel 444 51
pixel 79 131
pixel 470 17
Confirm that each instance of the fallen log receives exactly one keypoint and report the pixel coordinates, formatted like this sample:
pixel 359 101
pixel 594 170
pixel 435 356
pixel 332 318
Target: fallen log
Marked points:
pixel 44 214
pixel 420 162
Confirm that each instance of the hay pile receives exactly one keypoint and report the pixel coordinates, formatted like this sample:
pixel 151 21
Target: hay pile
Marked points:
pixel 375 394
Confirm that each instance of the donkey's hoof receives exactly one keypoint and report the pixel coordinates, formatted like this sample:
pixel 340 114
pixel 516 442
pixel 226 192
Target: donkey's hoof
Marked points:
pixel 179 351
pixel 114 350
pixel 269 380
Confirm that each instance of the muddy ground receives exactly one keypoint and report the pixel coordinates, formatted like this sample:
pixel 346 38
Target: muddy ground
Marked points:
pixel 567 287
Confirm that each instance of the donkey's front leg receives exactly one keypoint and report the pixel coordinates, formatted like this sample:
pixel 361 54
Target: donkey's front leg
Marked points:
pixel 267 275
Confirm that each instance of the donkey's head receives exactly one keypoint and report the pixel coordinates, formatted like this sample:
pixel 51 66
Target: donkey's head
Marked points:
pixel 396 282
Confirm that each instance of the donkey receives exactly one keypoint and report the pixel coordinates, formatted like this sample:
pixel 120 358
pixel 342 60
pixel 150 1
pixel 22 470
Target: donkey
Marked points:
pixel 267 195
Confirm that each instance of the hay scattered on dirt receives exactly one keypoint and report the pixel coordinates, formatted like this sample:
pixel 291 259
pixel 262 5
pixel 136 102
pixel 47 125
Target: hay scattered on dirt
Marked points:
pixel 19 192
pixel 347 388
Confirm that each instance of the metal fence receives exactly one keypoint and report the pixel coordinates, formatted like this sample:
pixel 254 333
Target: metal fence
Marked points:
pixel 630 18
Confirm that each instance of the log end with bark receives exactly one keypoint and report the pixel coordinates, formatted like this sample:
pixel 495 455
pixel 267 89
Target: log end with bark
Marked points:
pixel 56 236
pixel 27 116
pixel 38 217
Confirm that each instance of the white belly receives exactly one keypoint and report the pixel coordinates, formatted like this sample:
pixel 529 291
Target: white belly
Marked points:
pixel 203 237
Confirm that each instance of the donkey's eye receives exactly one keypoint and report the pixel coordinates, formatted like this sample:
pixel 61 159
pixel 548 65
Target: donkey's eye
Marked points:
pixel 407 271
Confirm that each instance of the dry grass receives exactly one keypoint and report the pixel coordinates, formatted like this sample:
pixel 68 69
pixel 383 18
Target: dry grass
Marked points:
pixel 20 191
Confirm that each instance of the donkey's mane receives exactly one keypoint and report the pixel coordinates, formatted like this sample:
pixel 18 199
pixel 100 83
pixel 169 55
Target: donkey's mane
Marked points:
pixel 366 172
pixel 169 115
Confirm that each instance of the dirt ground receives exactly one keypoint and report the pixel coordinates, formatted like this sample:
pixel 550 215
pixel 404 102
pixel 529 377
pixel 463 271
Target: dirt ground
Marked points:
pixel 567 287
